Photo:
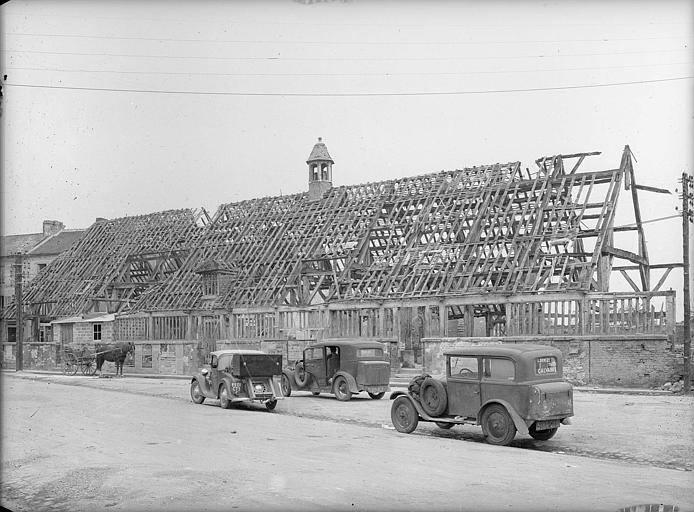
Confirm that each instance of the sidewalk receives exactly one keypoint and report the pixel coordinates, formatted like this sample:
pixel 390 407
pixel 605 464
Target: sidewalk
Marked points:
pixel 393 385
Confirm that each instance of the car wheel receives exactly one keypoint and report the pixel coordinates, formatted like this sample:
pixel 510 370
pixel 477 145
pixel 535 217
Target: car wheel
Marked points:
pixel 224 401
pixel 497 425
pixel 195 393
pixel 542 435
pixel 342 392
pixel 301 375
pixel 444 425
pixel 270 406
pixel 286 386
pixel 403 415
pixel 377 396
pixel 433 397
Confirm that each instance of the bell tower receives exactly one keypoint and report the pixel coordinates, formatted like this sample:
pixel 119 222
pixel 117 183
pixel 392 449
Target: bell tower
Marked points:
pixel 320 171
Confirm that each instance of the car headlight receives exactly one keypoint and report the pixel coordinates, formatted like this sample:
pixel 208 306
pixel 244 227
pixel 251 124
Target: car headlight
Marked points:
pixel 259 388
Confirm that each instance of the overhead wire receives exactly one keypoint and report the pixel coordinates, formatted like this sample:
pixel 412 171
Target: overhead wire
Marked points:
pixel 358 59
pixel 417 93
pixel 332 42
pixel 329 75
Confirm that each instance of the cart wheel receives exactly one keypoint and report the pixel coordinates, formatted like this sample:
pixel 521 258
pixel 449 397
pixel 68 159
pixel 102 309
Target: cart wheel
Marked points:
pixel 88 368
pixel 70 368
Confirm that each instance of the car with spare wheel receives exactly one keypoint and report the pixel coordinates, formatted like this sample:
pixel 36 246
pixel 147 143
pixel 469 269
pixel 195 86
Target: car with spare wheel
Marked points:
pixel 503 388
pixel 344 367
pixel 239 376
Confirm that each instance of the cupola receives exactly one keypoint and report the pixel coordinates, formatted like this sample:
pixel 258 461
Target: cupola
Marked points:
pixel 320 171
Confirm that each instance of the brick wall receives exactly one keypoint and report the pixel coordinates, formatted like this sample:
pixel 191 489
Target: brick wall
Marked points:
pixel 639 361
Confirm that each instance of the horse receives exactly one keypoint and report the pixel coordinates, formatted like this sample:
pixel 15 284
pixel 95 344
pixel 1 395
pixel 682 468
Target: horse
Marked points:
pixel 114 352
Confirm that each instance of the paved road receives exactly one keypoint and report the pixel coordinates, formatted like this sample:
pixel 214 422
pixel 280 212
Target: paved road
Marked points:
pixel 81 448
pixel 653 430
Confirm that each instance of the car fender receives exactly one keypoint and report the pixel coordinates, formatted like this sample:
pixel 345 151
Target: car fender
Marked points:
pixel 351 381
pixel 415 403
pixel 521 426
pixel 204 386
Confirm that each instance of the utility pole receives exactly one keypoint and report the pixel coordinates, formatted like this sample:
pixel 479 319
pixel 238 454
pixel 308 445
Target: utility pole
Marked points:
pixel 687 218
pixel 19 319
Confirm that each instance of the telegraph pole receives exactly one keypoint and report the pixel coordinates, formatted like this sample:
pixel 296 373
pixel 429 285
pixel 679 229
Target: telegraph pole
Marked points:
pixel 18 299
pixel 687 218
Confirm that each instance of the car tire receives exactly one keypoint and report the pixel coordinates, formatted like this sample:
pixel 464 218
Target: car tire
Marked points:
pixel 444 425
pixel 270 405
pixel 224 400
pixel 542 435
pixel 286 386
pixel 341 389
pixel 433 397
pixel 195 394
pixel 497 425
pixel 301 375
pixel 377 396
pixel 403 415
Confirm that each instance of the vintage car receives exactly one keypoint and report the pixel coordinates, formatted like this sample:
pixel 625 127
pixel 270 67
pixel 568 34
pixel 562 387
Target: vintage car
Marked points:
pixel 235 376
pixel 503 388
pixel 342 367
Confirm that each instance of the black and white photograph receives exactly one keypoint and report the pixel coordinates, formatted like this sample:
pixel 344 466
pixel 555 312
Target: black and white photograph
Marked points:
pixel 346 255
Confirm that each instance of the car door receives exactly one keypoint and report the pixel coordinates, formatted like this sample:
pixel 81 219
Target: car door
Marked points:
pixel 314 363
pixel 214 374
pixel 463 385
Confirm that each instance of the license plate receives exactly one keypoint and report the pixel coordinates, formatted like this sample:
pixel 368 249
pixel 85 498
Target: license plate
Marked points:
pixel 546 424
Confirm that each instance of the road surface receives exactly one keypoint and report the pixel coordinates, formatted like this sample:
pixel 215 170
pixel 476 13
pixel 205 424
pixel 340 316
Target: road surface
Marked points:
pixel 123 445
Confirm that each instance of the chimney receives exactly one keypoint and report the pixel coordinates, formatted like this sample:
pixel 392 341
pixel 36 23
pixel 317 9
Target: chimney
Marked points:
pixel 51 227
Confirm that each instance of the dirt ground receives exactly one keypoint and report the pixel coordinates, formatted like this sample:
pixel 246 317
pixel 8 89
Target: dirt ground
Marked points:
pixel 654 430
pixel 139 444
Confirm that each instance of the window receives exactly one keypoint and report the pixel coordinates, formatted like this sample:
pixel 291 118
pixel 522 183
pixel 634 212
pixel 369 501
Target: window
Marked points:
pixel 314 353
pixel 546 365
pixel 224 362
pixel 463 366
pixel 66 333
pixel 97 332
pixel 499 369
pixel 370 352
pixel 12 334
pixel 147 356
pixel 210 284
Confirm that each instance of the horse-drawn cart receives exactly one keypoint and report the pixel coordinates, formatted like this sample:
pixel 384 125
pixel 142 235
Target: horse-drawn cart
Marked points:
pixel 78 358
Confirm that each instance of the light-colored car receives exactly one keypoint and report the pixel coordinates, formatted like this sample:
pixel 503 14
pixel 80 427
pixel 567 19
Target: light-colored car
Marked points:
pixel 236 376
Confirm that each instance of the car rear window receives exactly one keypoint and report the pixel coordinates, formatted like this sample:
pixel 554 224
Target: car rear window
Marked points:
pixel 546 365
pixel 370 352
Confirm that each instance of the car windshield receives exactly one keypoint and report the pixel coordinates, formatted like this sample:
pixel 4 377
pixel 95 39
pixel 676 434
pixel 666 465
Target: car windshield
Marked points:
pixel 364 353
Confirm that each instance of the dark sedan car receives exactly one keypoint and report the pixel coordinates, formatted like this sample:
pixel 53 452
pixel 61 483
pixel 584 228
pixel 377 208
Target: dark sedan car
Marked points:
pixel 342 367
pixel 504 388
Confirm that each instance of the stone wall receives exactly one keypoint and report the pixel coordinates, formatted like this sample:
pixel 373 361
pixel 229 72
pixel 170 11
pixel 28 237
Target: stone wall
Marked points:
pixel 636 361
pixel 36 356
pixel 165 357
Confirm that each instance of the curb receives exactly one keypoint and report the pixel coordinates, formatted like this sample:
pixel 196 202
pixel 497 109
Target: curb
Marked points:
pixel 392 385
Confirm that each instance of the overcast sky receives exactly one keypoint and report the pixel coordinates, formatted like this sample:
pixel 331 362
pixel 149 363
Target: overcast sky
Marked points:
pixel 125 108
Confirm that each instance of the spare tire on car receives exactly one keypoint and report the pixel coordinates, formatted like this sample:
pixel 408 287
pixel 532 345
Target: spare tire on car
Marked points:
pixel 433 397
pixel 416 383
